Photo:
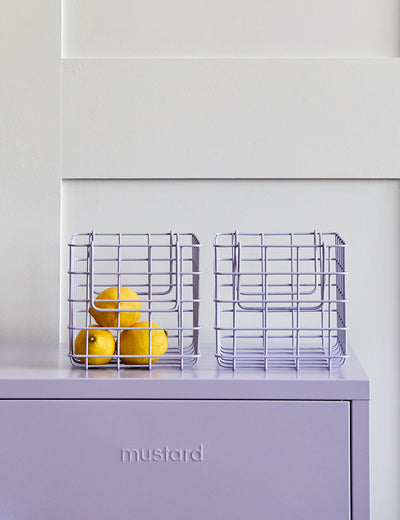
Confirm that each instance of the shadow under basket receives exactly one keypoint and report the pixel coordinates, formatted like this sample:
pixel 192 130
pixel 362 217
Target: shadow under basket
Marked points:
pixel 280 300
pixel 162 269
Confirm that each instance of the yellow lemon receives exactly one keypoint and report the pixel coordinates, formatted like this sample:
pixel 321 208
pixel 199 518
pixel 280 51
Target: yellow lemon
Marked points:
pixel 110 319
pixel 100 342
pixel 136 342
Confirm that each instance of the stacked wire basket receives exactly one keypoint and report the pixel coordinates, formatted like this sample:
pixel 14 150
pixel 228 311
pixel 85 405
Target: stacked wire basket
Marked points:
pixel 163 269
pixel 280 300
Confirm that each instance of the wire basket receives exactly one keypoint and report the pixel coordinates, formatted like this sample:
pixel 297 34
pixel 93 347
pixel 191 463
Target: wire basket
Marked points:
pixel 162 269
pixel 280 300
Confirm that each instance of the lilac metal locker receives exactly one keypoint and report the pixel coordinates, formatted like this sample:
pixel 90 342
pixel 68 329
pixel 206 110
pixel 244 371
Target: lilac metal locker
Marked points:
pixel 203 443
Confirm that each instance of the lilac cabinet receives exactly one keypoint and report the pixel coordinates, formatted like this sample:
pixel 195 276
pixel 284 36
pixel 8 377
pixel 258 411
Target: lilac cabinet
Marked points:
pixel 204 443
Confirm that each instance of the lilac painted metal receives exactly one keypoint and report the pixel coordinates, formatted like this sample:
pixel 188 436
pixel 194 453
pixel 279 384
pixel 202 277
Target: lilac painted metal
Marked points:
pixel 162 268
pixel 200 443
pixel 280 300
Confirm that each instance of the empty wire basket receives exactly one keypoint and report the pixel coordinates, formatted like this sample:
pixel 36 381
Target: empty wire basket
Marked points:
pixel 280 300
pixel 163 270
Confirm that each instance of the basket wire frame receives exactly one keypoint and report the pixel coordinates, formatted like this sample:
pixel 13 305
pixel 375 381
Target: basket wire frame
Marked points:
pixel 280 300
pixel 162 268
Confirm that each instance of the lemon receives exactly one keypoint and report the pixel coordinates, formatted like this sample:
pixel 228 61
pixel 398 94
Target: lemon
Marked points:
pixel 100 342
pixel 110 319
pixel 136 342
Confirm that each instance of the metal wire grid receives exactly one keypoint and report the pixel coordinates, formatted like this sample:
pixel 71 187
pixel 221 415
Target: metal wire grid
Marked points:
pixel 280 300
pixel 162 268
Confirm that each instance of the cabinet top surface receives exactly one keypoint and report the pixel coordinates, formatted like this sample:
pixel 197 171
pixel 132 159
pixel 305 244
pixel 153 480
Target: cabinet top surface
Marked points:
pixel 40 371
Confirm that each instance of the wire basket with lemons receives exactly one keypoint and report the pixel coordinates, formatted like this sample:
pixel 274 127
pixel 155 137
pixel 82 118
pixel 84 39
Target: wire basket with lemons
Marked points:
pixel 133 299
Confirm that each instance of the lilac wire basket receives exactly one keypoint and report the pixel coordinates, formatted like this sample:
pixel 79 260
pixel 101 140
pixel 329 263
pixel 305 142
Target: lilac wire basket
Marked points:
pixel 280 300
pixel 162 268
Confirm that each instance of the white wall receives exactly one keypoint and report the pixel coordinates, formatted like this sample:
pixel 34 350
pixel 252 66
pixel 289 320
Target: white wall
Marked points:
pixel 235 28
pixel 231 118
pixel 30 170
pixel 249 116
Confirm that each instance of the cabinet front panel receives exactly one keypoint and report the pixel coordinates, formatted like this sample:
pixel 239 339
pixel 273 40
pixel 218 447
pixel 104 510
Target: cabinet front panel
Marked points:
pixel 176 460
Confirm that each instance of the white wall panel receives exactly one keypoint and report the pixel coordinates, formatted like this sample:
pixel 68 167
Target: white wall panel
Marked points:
pixel 215 28
pixel 30 108
pixel 353 208
pixel 231 118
